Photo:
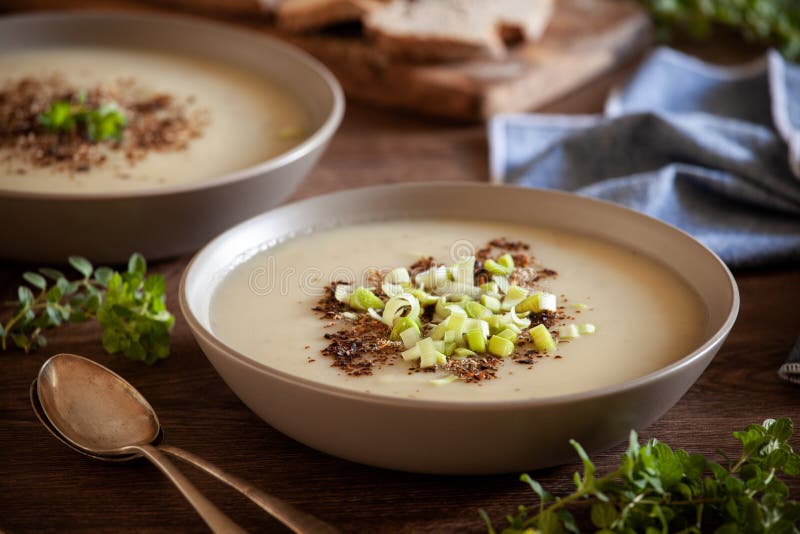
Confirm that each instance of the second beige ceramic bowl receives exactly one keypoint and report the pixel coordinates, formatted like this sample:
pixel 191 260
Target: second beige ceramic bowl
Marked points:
pixel 458 437
pixel 164 221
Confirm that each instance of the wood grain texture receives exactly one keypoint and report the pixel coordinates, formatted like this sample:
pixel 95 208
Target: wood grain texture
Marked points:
pixel 45 487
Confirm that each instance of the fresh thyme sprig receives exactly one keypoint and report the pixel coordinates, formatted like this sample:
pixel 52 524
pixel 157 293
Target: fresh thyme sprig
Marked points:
pixel 657 489
pixel 128 305
pixel 97 124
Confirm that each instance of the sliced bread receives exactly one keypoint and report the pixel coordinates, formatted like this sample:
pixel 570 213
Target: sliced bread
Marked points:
pixel 447 30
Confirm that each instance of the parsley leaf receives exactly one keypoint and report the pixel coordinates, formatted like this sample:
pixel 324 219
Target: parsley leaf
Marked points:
pixel 99 124
pixel 660 489
pixel 130 306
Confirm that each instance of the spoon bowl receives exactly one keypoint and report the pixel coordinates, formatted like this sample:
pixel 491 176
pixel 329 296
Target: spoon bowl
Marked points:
pixel 93 408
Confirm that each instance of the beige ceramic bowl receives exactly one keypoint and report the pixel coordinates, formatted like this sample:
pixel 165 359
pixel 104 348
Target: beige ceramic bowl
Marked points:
pixel 489 437
pixel 164 221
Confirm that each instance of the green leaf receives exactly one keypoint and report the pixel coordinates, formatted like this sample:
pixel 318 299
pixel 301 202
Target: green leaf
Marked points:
pixel 35 279
pixel 21 341
pixel 52 274
pixel 25 295
pixel 603 514
pixel 549 523
pixel 82 265
pixel 544 495
pixel 103 275
pixel 54 294
pixel 137 265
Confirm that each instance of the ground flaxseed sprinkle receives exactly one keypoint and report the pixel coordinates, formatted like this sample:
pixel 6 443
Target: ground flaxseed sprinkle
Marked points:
pixel 156 122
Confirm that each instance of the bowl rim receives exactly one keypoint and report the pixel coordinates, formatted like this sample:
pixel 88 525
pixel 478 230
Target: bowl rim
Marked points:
pixel 710 341
pixel 321 135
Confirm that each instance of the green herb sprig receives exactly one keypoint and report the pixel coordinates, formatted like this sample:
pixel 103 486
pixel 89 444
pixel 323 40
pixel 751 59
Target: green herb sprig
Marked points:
pixel 657 489
pixel 102 123
pixel 130 307
pixel 768 22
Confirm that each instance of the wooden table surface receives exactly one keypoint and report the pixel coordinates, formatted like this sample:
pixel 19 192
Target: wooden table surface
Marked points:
pixel 44 487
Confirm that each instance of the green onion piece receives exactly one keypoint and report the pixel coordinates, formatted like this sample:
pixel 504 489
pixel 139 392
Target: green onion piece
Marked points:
pixel 439 345
pixel 442 310
pixel 395 305
pixel 349 315
pixel 538 302
pixel 372 313
pixel 477 310
pixel 443 381
pixel 506 261
pixel 517 320
pixel 514 296
pixel 502 283
pixel 414 353
pixel 542 339
pixel 569 331
pixel 363 299
pixel 450 336
pixel 456 323
pixel 476 341
pixel 451 288
pixel 587 328
pixel 401 325
pixel 410 337
pixel 491 303
pixel 424 298
pixel 449 348
pixel 497 268
pixel 509 335
pixel 580 306
pixel 432 278
pixel 392 290
pixel 500 346
pixel 489 287
pixel 477 323
pixel 342 293
pixel 464 271
pixel 398 276
pixel 461 352
pixel 439 331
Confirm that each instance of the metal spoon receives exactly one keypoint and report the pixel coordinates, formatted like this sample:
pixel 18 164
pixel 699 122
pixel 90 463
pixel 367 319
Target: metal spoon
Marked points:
pixel 97 413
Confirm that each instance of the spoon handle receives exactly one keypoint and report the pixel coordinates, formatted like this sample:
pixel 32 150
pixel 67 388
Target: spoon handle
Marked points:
pixel 297 520
pixel 217 521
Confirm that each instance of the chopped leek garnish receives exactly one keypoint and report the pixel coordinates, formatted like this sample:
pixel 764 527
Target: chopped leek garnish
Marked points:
pixel 424 298
pixel 580 306
pixel 363 299
pixel 392 290
pixel 461 352
pixel 349 315
pixel 514 296
pixel 375 315
pixel 410 337
pixel 401 325
pixel 569 331
pixel 517 320
pixel 498 268
pixel 506 261
pixel 464 271
pixel 476 310
pixel 471 324
pixel 398 276
pixel 443 381
pixel 342 293
pixel 542 339
pixel 500 346
pixel 587 328
pixel 395 305
pixel 491 303
pixel 502 283
pixel 456 323
pixel 476 340
pixel 509 335
pixel 489 288
pixel 538 302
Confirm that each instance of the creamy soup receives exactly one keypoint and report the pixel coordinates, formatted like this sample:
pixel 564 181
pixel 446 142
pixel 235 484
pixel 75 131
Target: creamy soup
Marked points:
pixel 646 317
pixel 249 118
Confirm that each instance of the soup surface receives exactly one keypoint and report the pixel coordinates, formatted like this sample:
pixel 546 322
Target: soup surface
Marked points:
pixel 248 118
pixel 646 316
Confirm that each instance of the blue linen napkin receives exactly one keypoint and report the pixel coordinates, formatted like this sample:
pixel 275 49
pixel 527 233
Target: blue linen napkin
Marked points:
pixel 712 150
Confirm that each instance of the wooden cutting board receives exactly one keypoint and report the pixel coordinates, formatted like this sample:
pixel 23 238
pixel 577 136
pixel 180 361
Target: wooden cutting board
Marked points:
pixel 584 39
